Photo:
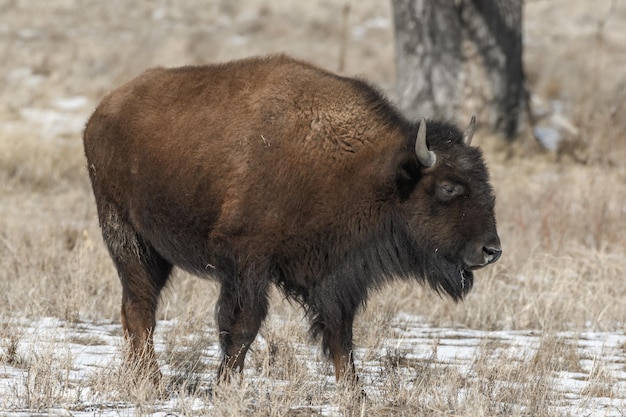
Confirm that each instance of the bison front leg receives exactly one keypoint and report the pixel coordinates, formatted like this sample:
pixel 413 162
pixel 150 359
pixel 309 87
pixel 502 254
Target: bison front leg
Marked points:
pixel 337 341
pixel 332 309
pixel 239 313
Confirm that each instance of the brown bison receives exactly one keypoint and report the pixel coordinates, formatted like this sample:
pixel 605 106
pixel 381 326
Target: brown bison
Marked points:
pixel 270 170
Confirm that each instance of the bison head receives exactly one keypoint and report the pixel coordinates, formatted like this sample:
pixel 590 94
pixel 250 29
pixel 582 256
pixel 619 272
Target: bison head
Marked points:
pixel 447 204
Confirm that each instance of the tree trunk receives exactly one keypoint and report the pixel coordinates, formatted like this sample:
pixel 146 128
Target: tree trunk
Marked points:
pixel 459 57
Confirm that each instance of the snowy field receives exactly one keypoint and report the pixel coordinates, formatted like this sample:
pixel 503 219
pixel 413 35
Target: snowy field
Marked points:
pixel 56 363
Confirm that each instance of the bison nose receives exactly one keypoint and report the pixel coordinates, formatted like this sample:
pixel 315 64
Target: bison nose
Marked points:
pixel 492 253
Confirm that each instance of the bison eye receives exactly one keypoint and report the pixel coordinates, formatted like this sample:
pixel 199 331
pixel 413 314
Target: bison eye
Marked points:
pixel 446 191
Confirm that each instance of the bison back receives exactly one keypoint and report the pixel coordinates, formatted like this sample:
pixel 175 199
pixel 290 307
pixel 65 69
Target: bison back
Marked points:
pixel 236 158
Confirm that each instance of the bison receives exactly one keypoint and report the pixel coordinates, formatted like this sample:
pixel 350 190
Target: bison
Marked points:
pixel 270 170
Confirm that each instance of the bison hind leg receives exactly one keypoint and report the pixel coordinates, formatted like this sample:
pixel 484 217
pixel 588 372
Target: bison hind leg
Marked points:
pixel 143 273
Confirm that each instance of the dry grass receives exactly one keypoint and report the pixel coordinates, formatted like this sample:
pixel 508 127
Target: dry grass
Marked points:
pixel 561 217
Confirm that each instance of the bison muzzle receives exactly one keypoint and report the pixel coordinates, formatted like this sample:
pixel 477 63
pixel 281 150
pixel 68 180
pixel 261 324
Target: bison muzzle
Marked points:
pixel 271 170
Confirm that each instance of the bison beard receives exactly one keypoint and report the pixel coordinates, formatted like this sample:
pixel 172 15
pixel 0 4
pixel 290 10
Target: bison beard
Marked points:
pixel 369 268
pixel 272 171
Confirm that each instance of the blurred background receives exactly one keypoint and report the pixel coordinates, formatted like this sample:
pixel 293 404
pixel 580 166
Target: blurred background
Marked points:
pixel 59 57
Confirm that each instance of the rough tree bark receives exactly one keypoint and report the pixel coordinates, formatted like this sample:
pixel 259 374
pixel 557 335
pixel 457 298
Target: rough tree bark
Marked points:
pixel 458 57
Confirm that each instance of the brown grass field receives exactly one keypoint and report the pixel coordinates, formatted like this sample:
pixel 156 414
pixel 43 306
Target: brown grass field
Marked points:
pixel 561 217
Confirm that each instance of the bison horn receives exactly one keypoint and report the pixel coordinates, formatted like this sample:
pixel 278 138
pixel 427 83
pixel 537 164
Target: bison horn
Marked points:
pixel 425 156
pixel 469 133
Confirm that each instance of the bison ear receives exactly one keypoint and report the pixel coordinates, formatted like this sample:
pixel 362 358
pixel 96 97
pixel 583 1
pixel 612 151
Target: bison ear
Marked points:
pixel 408 172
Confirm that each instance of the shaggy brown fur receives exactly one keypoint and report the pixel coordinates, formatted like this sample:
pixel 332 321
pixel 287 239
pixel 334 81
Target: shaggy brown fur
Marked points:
pixel 270 170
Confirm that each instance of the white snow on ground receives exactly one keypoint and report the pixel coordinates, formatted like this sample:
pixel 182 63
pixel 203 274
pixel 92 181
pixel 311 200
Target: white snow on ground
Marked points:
pixel 66 118
pixel 75 352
